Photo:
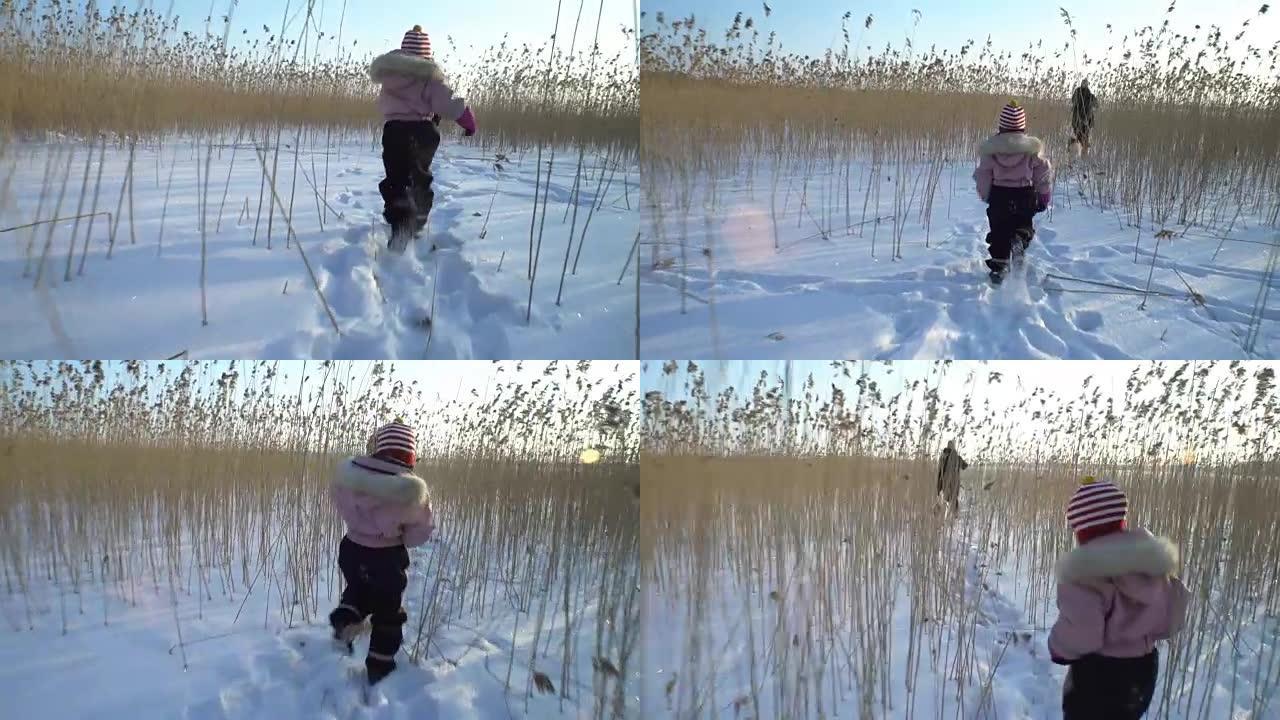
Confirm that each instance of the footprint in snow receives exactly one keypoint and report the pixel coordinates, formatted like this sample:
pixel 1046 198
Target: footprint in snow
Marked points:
pixel 1087 320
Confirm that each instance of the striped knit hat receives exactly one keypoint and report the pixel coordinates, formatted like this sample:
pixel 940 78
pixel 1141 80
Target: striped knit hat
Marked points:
pixel 391 450
pixel 416 42
pixel 1013 118
pixel 1096 508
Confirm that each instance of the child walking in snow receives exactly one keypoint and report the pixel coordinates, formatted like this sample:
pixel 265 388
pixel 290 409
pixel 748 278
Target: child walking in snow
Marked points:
pixel 414 96
pixel 386 509
pixel 1016 183
pixel 1117 595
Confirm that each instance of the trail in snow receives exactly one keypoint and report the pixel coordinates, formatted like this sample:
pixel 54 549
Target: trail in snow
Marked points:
pixel 260 301
pixel 244 662
pixel 819 297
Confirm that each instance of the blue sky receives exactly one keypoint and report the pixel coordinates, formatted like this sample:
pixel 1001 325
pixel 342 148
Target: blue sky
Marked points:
pixel 378 25
pixel 812 26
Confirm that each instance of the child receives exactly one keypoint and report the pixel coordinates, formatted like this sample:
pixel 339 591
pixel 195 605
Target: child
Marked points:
pixel 1117 595
pixel 386 508
pixel 413 93
pixel 1016 183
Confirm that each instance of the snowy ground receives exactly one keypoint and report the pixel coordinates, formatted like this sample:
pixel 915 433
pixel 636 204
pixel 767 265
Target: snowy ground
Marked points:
pixel 823 293
pixel 261 666
pixel 468 275
pixel 998 667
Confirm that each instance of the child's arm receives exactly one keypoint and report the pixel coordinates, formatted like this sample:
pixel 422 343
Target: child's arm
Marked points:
pixel 983 176
pixel 417 530
pixel 1179 598
pixel 1042 180
pixel 445 102
pixel 1081 621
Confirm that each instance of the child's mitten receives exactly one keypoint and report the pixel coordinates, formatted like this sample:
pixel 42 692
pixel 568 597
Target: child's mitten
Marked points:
pixel 1042 202
pixel 468 122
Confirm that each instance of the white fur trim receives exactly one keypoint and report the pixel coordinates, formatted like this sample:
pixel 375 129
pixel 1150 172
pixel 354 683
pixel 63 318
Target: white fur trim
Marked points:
pixel 1136 551
pixel 403 488
pixel 399 63
pixel 1012 143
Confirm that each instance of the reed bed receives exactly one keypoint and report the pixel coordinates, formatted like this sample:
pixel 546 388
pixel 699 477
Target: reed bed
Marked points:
pixel 206 483
pixel 1188 131
pixel 78 84
pixel 75 69
pixel 795 532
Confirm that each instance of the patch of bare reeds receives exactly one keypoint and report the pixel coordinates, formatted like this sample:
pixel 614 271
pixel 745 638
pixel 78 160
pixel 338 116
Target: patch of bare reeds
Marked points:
pixel 792 533
pixel 208 481
pixel 866 143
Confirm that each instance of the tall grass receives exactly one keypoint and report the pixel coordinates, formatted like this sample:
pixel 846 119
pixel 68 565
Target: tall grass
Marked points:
pixel 71 69
pixel 209 482
pixel 1187 134
pixel 794 530
pixel 77 82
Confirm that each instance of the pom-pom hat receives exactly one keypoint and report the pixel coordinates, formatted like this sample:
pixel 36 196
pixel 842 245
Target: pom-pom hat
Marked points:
pixel 1013 118
pixel 392 449
pixel 1096 508
pixel 416 42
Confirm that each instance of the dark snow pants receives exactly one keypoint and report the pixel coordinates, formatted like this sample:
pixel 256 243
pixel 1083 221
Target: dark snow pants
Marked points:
pixel 1107 688
pixel 408 147
pixel 376 580
pixel 1010 212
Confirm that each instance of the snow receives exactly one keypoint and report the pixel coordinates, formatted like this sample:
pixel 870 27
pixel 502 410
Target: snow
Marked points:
pixel 145 300
pixel 996 666
pixel 834 286
pixel 245 659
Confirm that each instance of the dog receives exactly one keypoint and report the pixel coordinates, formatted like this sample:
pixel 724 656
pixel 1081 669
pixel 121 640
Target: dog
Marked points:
pixel 1074 148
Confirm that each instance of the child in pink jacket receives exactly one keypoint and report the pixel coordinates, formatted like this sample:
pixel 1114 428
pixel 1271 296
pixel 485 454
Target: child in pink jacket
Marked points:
pixel 386 509
pixel 1016 183
pixel 414 96
pixel 1117 595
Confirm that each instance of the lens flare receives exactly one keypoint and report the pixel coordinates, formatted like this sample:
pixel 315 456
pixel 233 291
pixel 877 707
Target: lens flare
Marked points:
pixel 590 456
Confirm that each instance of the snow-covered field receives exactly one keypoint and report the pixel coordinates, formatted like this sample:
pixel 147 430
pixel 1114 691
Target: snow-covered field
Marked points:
pixel 250 655
pixel 833 282
pixel 993 663
pixel 461 291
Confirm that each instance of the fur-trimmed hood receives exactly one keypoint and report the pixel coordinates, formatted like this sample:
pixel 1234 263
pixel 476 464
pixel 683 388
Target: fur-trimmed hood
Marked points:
pixel 398 62
pixel 1118 554
pixel 403 489
pixel 1012 143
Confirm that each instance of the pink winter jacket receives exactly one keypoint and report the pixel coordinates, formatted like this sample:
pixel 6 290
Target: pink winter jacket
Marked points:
pixel 1117 595
pixel 382 510
pixel 1013 160
pixel 413 88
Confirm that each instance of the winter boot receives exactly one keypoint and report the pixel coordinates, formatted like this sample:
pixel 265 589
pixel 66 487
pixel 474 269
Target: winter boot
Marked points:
pixel 401 214
pixel 378 669
pixel 347 626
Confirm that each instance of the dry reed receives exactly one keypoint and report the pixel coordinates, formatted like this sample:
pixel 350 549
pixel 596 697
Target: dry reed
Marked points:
pixel 856 142
pixel 209 480
pixel 796 535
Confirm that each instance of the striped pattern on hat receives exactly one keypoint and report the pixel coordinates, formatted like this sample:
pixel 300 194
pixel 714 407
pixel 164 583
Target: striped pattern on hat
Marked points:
pixel 416 42
pixel 1096 503
pixel 396 442
pixel 1013 117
